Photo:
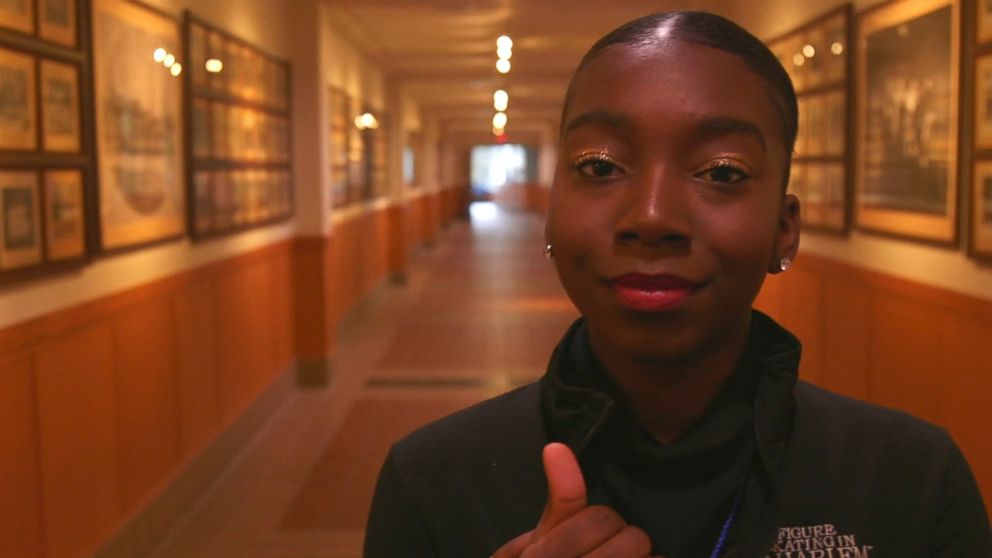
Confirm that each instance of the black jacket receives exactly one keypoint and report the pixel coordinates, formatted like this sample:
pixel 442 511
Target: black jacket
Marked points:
pixel 820 475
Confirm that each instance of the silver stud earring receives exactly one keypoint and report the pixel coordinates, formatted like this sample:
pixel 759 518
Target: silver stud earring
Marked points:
pixel 784 264
pixel 548 251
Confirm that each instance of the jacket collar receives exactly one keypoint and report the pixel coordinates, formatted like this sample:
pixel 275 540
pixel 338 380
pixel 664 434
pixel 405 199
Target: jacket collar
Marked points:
pixel 577 403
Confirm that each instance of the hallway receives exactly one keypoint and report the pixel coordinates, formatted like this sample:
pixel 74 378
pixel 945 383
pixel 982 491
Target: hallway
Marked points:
pixel 480 313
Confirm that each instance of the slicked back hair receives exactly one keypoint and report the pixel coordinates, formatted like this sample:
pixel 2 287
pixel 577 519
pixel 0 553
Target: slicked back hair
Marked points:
pixel 713 31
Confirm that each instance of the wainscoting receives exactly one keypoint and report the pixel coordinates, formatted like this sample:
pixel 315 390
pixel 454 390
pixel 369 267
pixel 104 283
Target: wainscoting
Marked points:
pixel 894 342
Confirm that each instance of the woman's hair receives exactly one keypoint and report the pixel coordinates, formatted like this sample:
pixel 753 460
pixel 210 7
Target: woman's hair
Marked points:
pixel 716 32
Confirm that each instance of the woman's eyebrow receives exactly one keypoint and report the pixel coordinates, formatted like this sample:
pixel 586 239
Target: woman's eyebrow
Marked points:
pixel 610 119
pixel 717 126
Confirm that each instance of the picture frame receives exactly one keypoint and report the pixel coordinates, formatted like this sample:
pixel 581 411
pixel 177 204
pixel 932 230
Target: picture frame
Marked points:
pixel 57 21
pixel 18 15
pixel 818 57
pixel 140 117
pixel 18 98
pixel 60 107
pixel 983 101
pixel 983 17
pixel 20 220
pixel 237 140
pixel 908 91
pixel 65 214
pixel 980 230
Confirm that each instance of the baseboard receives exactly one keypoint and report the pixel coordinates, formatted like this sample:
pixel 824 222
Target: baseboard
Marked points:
pixel 144 531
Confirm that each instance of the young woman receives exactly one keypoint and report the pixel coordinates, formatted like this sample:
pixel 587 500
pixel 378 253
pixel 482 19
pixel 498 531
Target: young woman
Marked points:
pixel 671 421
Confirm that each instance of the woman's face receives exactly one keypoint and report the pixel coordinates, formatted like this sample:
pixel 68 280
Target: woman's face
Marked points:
pixel 667 207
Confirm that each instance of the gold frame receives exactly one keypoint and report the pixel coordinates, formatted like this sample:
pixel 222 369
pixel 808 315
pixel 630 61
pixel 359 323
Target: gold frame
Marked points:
pixel 53 140
pixel 133 177
pixel 19 22
pixel 65 235
pixel 23 139
pixel 983 26
pixel 15 258
pixel 898 222
pixel 57 33
pixel 980 245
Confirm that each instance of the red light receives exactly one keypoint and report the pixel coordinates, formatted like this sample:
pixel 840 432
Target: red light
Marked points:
pixel 501 139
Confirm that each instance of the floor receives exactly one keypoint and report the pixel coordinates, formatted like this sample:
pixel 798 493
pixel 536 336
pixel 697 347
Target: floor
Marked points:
pixel 480 313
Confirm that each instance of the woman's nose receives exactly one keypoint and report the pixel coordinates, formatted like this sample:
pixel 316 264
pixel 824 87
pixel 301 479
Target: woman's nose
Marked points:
pixel 655 210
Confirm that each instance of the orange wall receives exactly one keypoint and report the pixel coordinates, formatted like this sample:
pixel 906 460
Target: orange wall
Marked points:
pixel 901 344
pixel 102 403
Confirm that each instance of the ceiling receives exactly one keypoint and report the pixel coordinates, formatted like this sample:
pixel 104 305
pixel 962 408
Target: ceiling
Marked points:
pixel 443 52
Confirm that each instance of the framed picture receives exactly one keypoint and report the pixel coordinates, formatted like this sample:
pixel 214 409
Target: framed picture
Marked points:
pixel 17 15
pixel 139 118
pixel 983 102
pixel 57 21
pixel 835 123
pixel 984 19
pixel 18 124
pixel 821 189
pixel 59 106
pixel 20 228
pixel 980 246
pixel 197 55
pixel 908 119
pixel 64 215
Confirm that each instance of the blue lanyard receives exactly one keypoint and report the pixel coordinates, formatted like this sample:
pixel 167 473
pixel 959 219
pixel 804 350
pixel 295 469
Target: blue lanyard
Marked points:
pixel 721 542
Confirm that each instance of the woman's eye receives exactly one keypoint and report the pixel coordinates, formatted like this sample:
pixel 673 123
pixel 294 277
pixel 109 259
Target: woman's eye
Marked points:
pixel 727 174
pixel 597 168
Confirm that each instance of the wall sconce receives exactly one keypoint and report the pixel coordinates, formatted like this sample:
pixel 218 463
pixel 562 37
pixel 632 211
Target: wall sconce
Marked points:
pixel 366 122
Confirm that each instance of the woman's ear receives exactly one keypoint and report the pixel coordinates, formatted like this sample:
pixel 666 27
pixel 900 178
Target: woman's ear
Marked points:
pixel 787 234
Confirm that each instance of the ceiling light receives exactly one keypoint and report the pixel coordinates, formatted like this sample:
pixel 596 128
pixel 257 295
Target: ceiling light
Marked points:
pixel 169 60
pixel 799 59
pixel 504 42
pixel 809 51
pixel 159 54
pixel 499 120
pixel 501 99
pixel 176 69
pixel 503 66
pixel 504 53
pixel 837 48
pixel 366 122
pixel 214 66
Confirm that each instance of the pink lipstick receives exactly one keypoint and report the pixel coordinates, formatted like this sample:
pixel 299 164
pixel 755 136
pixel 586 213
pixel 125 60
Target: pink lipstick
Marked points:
pixel 652 293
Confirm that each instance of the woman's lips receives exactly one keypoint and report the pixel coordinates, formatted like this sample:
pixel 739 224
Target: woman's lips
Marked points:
pixel 652 293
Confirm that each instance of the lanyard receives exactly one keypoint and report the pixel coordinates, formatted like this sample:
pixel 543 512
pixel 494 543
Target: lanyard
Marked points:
pixel 721 541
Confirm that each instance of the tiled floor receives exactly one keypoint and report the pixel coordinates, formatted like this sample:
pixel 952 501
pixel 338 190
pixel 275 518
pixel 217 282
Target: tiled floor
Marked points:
pixel 480 314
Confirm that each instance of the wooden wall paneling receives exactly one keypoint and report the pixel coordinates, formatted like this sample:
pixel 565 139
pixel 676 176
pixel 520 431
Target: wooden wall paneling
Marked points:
pixel 283 328
pixel 904 357
pixel 244 319
pixel 21 530
pixel 310 296
pixel 79 441
pixel 148 401
pixel 334 296
pixel 800 305
pixel 380 251
pixel 966 374
pixel 398 240
pixel 197 348
pixel 845 337
pixel 769 298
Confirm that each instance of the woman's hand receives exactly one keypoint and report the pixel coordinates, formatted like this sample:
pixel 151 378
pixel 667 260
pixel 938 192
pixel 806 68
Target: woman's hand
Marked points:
pixel 568 527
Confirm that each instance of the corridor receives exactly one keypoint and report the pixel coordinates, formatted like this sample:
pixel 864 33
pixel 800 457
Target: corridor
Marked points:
pixel 480 313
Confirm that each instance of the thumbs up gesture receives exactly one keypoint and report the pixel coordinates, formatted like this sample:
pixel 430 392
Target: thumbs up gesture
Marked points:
pixel 568 527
